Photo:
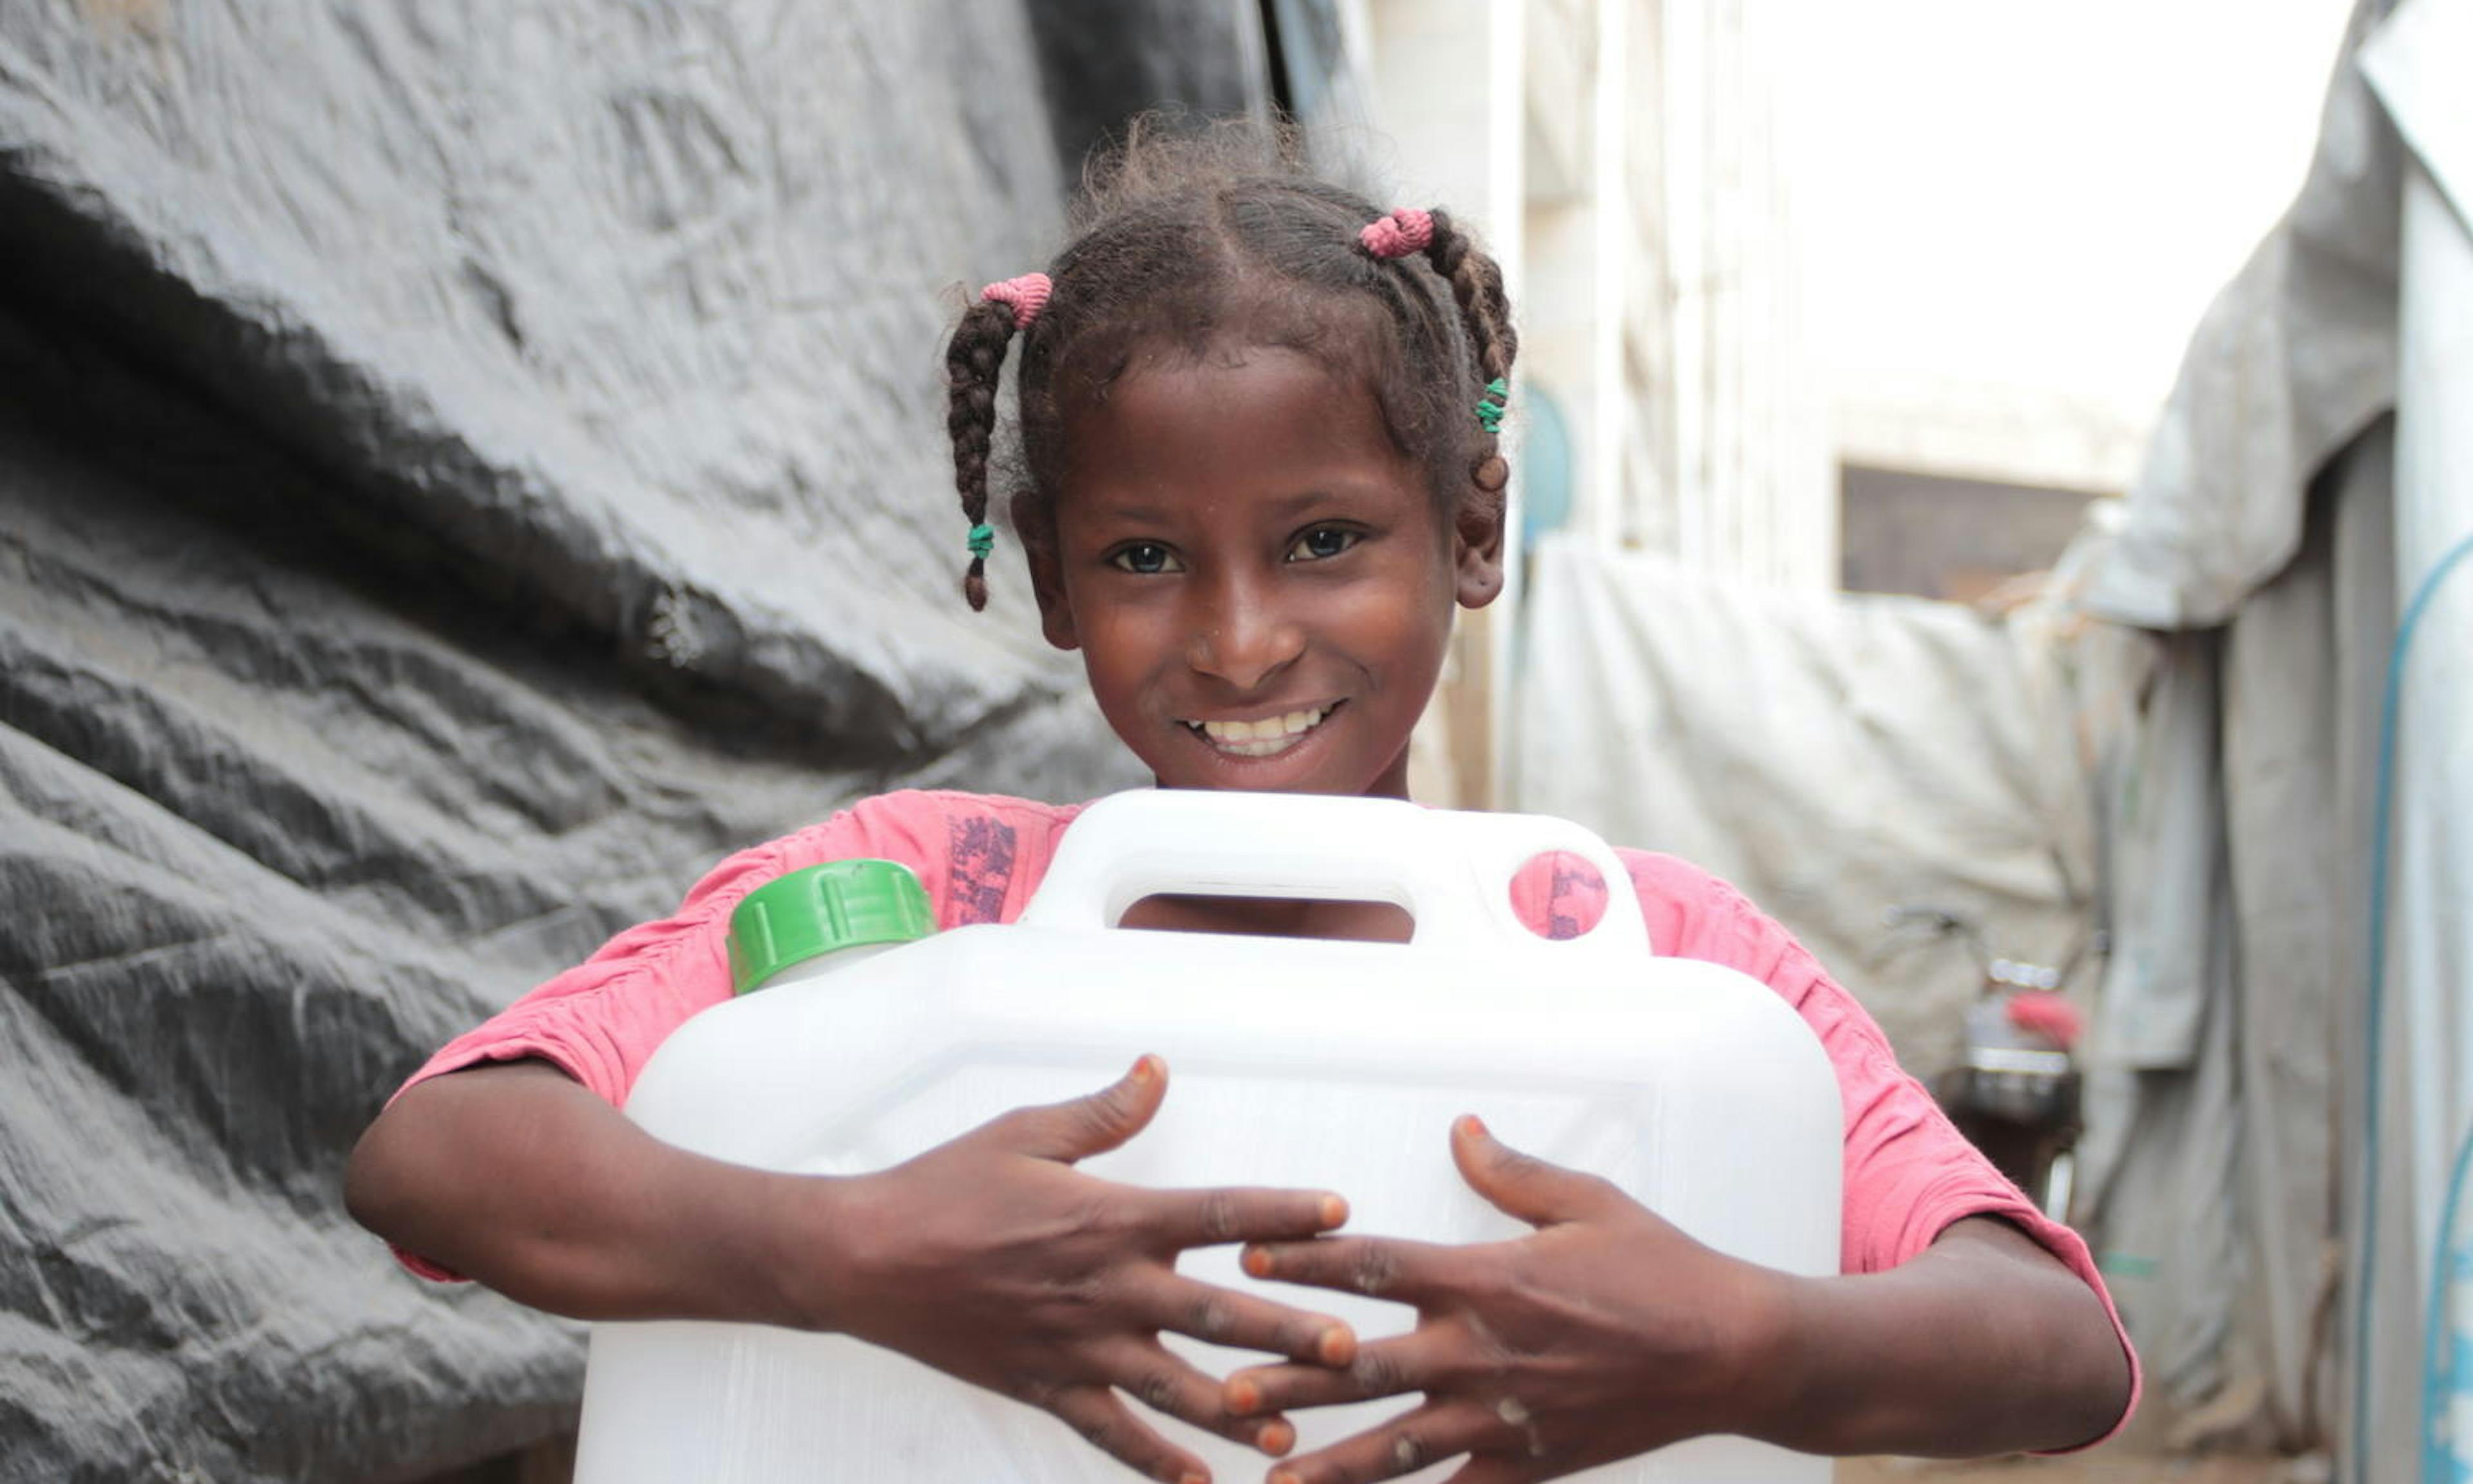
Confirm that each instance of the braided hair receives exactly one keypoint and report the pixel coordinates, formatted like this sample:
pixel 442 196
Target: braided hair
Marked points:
pixel 1184 237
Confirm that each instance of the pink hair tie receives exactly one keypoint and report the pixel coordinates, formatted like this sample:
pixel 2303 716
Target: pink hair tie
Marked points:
pixel 1027 295
pixel 1404 231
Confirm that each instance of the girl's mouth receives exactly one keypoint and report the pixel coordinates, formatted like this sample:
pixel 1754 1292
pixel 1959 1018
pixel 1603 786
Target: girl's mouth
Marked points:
pixel 1266 737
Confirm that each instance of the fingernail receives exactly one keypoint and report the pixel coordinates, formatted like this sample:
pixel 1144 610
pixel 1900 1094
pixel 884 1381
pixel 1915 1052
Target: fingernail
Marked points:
pixel 1243 1396
pixel 1284 1476
pixel 1473 1127
pixel 1146 1068
pixel 1190 1477
pixel 1257 1261
pixel 1276 1438
pixel 1334 1211
pixel 1337 1345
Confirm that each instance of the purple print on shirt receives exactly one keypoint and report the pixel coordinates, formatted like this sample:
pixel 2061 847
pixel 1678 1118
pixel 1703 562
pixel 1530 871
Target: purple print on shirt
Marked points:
pixel 1576 899
pixel 982 869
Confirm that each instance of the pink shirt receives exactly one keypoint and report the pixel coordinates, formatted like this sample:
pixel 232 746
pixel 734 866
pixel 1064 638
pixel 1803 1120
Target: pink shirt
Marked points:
pixel 1909 1174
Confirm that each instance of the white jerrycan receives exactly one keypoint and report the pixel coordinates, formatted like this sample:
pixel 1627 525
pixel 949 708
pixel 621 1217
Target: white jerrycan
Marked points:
pixel 1308 1063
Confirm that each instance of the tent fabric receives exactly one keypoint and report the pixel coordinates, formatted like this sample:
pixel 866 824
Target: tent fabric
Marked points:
pixel 1102 60
pixel 466 469
pixel 2415 1219
pixel 2292 360
pixel 2212 1180
pixel 2300 701
pixel 2427 949
pixel 1835 757
pixel 2225 632
pixel 2165 845
pixel 614 305
pixel 2289 499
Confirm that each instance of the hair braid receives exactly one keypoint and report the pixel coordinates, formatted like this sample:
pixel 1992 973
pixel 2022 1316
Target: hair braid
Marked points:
pixel 1485 318
pixel 974 364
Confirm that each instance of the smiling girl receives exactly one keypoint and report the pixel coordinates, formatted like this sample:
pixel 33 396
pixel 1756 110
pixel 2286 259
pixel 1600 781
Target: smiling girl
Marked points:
pixel 1257 424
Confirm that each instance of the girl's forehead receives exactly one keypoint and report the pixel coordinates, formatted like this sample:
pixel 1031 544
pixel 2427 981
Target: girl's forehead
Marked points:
pixel 1267 415
pixel 1320 365
pixel 1230 388
pixel 1234 346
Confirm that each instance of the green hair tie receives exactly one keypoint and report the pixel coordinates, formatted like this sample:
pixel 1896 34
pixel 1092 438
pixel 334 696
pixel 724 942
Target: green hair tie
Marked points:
pixel 983 540
pixel 1491 407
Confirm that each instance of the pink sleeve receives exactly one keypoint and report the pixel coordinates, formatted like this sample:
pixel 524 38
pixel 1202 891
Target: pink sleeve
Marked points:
pixel 602 1019
pixel 1910 1173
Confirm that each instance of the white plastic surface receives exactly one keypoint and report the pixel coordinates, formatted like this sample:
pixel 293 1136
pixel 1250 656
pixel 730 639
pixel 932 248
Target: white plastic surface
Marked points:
pixel 1320 1065
pixel 1448 871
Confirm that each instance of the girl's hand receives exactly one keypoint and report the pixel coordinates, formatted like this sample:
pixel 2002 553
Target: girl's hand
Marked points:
pixel 1606 1333
pixel 993 1260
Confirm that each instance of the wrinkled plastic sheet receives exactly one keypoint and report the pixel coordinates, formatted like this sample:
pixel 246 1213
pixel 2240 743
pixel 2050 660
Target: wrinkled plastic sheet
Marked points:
pixel 2265 525
pixel 465 468
pixel 2230 773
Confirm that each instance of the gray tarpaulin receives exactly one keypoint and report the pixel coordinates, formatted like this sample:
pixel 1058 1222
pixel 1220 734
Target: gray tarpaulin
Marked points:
pixel 463 469
pixel 1101 58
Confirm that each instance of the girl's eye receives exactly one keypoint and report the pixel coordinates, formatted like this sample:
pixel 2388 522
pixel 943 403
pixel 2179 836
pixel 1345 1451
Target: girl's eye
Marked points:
pixel 1146 557
pixel 1322 542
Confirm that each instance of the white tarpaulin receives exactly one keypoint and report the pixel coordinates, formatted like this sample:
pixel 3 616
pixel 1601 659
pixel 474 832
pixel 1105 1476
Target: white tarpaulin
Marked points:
pixel 2281 499
pixel 1835 757
pixel 2422 964
pixel 2312 471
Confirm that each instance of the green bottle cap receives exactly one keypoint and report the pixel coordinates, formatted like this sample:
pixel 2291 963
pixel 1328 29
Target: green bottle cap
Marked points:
pixel 824 909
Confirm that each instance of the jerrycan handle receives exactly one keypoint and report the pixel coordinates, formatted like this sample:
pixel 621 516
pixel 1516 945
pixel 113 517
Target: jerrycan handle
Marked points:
pixel 1450 872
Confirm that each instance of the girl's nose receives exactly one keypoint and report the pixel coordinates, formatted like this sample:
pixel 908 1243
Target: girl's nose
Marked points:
pixel 1242 639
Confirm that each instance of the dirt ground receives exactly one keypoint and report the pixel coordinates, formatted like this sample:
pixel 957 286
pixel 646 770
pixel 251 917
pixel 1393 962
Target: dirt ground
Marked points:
pixel 2103 1466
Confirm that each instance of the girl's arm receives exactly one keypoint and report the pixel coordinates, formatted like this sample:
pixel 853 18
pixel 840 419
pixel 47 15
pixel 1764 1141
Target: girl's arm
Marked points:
pixel 1608 1332
pixel 990 1257
pixel 1984 1344
pixel 516 1175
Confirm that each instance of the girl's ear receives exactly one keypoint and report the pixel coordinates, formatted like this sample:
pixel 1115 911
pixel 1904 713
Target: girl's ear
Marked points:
pixel 1478 545
pixel 1032 527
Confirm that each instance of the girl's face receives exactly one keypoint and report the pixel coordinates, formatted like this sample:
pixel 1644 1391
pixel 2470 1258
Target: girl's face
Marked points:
pixel 1260 584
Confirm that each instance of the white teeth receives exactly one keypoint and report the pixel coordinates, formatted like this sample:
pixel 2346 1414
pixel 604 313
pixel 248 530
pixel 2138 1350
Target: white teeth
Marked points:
pixel 1262 738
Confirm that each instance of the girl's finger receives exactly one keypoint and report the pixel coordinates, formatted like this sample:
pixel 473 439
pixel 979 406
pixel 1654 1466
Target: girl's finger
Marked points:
pixel 1211 1218
pixel 1147 1372
pixel 1105 1422
pixel 1084 1126
pixel 1377 1266
pixel 1403 1445
pixel 1244 1321
pixel 1426 1358
pixel 1539 1192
